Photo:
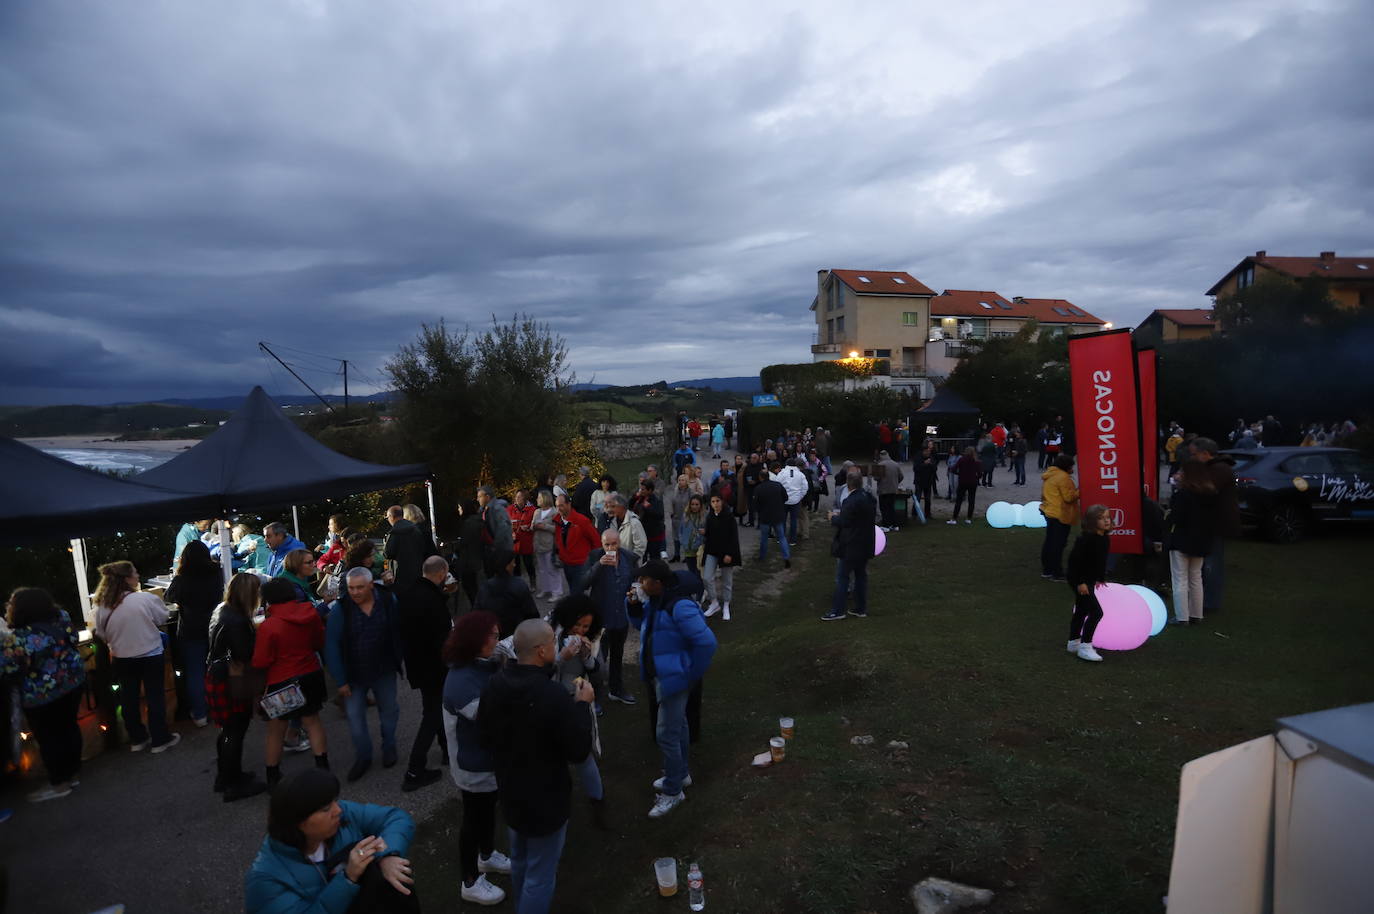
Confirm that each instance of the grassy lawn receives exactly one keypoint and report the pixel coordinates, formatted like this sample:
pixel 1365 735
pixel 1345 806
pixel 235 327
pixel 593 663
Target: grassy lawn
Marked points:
pixel 1049 780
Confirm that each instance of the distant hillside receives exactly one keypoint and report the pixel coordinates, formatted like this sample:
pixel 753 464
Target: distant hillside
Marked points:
pixel 748 384
pixel 306 399
pixel 87 420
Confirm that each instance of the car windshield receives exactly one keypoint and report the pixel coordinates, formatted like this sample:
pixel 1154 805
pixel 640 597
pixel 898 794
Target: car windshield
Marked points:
pixel 1308 464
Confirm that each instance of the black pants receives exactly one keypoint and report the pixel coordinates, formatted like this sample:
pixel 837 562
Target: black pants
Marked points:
pixel 527 562
pixel 924 490
pixel 1042 459
pixel 376 896
pixel 886 506
pixel 469 582
pixel 1052 552
pixel 478 832
pixel 693 713
pixel 1018 464
pixel 146 673
pixel 59 738
pixel 969 489
pixel 229 748
pixel 653 550
pixel 613 655
pixel 987 475
pixel 1087 612
pixel 691 562
pixel 431 727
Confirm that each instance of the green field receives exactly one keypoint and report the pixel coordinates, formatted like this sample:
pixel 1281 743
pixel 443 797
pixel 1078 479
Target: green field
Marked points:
pixel 1047 779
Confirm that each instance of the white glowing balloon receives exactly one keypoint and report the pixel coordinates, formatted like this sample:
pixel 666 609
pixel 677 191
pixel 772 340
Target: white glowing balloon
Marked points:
pixel 1000 515
pixel 1158 611
pixel 1017 516
pixel 1031 516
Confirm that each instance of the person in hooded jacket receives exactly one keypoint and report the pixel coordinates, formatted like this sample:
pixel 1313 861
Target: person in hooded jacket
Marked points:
pixel 534 730
pixel 470 653
pixel 287 650
pixel 1059 504
pixel 676 647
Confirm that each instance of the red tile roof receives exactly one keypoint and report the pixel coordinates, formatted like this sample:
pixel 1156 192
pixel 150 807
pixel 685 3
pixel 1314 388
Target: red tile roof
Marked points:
pixel 1188 317
pixel 972 303
pixel 1325 264
pixel 882 282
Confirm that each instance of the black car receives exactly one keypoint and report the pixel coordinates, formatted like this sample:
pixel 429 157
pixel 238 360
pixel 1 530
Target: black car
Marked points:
pixel 1286 490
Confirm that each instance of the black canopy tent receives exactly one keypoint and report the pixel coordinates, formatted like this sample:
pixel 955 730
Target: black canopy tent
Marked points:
pixel 46 497
pixel 259 458
pixel 946 408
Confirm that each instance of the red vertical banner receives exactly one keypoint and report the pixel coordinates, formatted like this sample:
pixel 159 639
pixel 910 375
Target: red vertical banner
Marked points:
pixel 1147 374
pixel 1102 369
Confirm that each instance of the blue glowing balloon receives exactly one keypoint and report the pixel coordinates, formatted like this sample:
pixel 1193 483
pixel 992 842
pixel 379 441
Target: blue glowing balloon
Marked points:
pixel 1159 613
pixel 1017 517
pixel 1031 516
pixel 1000 515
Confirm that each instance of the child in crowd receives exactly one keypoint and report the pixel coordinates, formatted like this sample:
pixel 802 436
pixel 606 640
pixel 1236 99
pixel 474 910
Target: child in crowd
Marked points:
pixel 1087 570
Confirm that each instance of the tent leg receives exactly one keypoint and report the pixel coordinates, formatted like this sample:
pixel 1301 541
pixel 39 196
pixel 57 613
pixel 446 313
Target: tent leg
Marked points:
pixel 295 522
pixel 83 590
pixel 226 552
pixel 433 521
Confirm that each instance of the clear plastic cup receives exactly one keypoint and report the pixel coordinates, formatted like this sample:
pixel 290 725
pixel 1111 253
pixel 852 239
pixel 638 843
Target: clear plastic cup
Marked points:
pixel 787 727
pixel 777 747
pixel 665 872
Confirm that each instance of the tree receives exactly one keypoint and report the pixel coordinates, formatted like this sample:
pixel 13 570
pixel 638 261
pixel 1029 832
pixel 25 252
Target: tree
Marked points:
pixel 487 408
pixel 1022 378
pixel 1274 304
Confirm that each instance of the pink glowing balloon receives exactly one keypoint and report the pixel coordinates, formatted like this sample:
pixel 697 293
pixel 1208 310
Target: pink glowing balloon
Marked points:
pixel 1126 619
pixel 879 540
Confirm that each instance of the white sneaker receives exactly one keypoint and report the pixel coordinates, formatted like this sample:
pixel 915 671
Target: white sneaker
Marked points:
pixel 176 738
pixel 139 747
pixel 686 782
pixel 952 523
pixel 666 803
pixel 483 892
pixel 1073 646
pixel 1086 652
pixel 300 745
pixel 496 863
pixel 712 609
pixel 50 793
pixel 967 521
pixel 200 721
pixel 725 612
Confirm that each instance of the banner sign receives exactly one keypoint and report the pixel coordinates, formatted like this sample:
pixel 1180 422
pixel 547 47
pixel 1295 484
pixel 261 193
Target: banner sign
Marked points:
pixel 1102 368
pixel 766 400
pixel 1147 373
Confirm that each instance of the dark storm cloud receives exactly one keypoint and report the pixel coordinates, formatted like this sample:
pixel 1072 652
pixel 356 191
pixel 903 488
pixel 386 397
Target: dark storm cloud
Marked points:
pixel 659 184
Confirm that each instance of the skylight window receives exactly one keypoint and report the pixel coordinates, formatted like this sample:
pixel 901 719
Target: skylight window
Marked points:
pixel 1073 310
pixel 985 305
pixel 1004 306
pixel 1060 311
pixel 864 279
pixel 1362 266
pixel 899 280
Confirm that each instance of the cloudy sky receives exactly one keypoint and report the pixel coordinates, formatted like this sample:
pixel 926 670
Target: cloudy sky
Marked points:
pixel 659 182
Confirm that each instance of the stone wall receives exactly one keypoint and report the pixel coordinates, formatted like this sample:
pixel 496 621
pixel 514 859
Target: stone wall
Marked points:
pixel 619 440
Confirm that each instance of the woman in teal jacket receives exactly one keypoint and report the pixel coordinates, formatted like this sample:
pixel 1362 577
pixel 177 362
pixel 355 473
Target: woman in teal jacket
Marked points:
pixel 323 855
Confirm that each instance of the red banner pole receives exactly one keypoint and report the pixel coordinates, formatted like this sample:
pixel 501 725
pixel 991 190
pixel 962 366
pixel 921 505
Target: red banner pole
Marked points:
pixel 1102 376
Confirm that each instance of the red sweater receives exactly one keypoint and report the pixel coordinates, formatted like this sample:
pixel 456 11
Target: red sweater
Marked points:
pixel 576 539
pixel 519 519
pixel 287 641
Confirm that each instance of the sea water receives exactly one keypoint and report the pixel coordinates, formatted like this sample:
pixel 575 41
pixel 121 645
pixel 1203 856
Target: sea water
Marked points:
pixel 109 459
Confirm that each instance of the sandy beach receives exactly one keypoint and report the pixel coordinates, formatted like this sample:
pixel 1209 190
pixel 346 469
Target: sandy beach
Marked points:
pixel 84 442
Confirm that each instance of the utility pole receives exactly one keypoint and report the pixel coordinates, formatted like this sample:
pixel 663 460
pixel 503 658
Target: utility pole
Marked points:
pixel 345 372
pixel 263 347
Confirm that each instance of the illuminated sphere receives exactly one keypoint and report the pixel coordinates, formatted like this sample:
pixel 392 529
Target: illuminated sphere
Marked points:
pixel 1126 619
pixel 1000 515
pixel 1158 611
pixel 1031 516
pixel 1017 517
pixel 879 540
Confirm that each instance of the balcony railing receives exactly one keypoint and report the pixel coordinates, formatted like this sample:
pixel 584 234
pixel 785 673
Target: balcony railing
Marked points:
pixel 818 348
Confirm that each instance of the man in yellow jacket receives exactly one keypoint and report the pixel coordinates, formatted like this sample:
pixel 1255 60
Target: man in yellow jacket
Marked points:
pixel 1059 504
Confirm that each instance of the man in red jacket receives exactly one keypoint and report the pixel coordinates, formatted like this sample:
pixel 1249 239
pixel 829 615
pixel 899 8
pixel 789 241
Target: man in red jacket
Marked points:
pixel 575 536
pixel 694 432
pixel 522 531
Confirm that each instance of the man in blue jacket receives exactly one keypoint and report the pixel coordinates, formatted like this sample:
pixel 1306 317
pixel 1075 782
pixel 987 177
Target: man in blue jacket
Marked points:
pixel 282 544
pixel 364 651
pixel 676 647
pixel 608 574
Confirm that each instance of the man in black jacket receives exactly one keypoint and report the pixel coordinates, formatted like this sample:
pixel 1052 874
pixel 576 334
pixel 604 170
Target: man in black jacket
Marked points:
pixel 408 546
pixel 853 547
pixel 425 625
pixel 505 593
pixel 582 493
pixel 770 506
pixel 534 730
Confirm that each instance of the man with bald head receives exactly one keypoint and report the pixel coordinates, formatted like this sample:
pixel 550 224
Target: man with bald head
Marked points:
pixel 534 730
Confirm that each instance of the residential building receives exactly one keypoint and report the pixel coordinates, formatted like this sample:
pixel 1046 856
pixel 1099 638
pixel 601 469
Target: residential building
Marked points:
pixel 1350 280
pixel 872 313
pixel 960 315
pixel 1175 325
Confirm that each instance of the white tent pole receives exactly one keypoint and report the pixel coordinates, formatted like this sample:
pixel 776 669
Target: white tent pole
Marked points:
pixel 296 521
pixel 226 551
pixel 83 590
pixel 433 521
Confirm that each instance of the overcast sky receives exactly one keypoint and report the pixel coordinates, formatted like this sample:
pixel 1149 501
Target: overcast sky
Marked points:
pixel 660 182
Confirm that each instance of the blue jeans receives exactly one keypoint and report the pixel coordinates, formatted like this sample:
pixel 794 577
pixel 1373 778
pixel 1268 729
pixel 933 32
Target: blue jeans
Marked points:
pixel 388 713
pixel 843 570
pixel 591 777
pixel 573 576
pixel 1019 465
pixel 193 654
pixel 1214 576
pixel 673 738
pixel 792 512
pixel 778 531
pixel 534 869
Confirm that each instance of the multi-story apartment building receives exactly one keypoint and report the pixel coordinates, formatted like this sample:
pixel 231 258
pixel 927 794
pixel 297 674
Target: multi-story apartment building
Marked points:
pixel 1350 280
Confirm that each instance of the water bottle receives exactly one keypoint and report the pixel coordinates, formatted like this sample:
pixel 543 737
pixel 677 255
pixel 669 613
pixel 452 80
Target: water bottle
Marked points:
pixel 696 888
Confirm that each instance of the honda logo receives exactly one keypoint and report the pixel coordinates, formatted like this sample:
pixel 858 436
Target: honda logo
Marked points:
pixel 1117 515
